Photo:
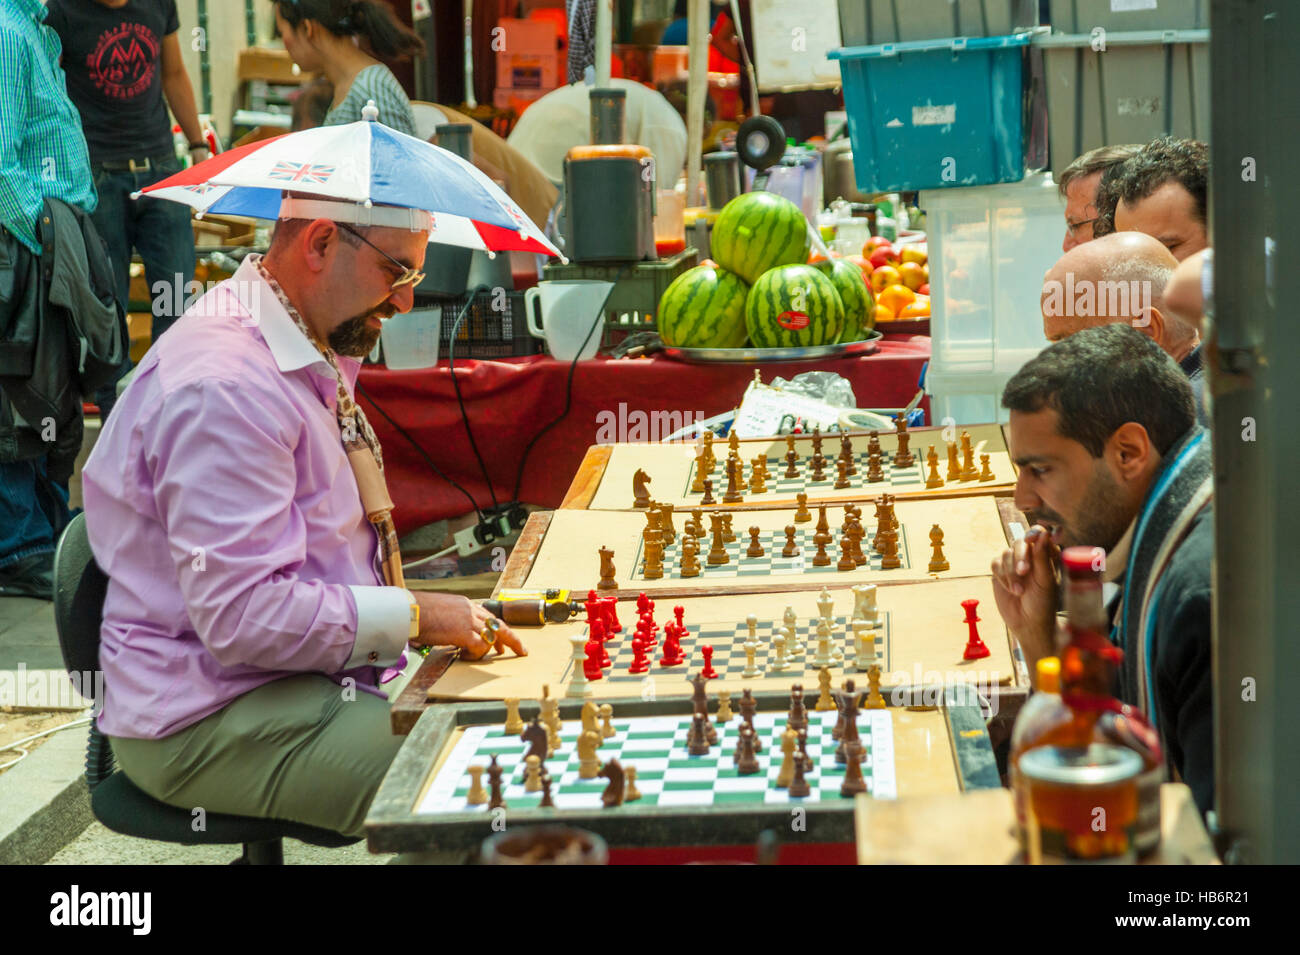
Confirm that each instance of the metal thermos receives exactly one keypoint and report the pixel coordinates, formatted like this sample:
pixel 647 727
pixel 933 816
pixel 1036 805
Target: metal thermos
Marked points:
pixel 455 138
pixel 607 108
pixel 721 177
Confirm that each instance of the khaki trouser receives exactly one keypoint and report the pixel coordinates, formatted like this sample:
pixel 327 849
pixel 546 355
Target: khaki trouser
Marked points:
pixel 294 749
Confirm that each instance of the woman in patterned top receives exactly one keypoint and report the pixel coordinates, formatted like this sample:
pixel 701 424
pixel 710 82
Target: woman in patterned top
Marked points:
pixel 342 38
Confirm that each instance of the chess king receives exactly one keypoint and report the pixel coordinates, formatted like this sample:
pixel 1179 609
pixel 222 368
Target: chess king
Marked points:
pixel 1103 431
pixel 236 502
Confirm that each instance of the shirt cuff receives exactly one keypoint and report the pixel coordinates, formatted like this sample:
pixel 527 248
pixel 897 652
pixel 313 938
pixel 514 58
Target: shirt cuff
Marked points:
pixel 383 625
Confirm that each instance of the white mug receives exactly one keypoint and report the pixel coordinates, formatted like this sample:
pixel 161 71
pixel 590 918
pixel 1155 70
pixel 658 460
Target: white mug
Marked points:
pixel 571 315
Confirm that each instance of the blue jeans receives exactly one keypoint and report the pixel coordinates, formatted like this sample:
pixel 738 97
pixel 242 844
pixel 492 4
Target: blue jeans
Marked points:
pixel 156 228
pixel 33 510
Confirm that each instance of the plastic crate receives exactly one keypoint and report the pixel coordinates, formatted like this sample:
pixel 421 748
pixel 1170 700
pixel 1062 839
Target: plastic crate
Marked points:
pixel 864 22
pixel 638 287
pixel 935 114
pixel 494 326
pixel 988 250
pixel 1083 16
pixel 966 399
pixel 1142 85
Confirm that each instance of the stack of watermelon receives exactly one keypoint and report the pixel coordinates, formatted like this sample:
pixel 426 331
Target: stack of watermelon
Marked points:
pixel 761 288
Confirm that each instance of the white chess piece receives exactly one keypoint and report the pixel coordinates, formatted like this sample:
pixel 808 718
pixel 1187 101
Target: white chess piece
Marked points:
pixel 751 669
pixel 823 657
pixel 825 605
pixel 779 664
pixel 579 685
pixel 752 623
pixel 865 637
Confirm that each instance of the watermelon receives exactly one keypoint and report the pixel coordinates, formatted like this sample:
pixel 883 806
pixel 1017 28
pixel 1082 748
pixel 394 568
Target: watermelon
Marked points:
pixel 855 295
pixel 793 305
pixel 758 231
pixel 704 307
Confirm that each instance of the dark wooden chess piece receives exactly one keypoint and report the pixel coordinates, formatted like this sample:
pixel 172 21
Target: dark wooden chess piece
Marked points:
pixel 495 799
pixel 801 513
pixel 718 549
pixel 821 558
pixel 938 562
pixel 853 781
pixel 747 762
pixel 791 548
pixel 755 549
pixel 607 581
pixel 613 794
pixel 818 467
pixel 728 535
pixel 791 458
pixel 798 718
pixel 547 802
pixel 708 499
pixel 536 737
pixel 842 478
pixel 690 566
pixel 732 494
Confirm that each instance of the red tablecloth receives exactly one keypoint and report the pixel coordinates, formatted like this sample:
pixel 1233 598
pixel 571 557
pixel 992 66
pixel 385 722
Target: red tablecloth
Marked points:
pixel 508 402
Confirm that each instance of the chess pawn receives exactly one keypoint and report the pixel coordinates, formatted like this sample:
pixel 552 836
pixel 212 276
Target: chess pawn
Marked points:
pixel 825 702
pixel 789 741
pixel 697 520
pixel 589 763
pixel 864 645
pixel 802 515
pixel 779 664
pixel 846 562
pixel 755 549
pixel 532 774
pixel 874 700
pixel 630 792
pixel 724 706
pixel 477 795
pixel 751 669
pixel 690 566
pixel 606 721
pixel 791 549
pixel 842 476
pixel 708 493
pixel 986 471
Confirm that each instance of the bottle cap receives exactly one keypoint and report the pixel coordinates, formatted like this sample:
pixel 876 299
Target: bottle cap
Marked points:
pixel 1049 675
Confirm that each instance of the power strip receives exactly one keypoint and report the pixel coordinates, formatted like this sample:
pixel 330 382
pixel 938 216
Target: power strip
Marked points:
pixel 471 540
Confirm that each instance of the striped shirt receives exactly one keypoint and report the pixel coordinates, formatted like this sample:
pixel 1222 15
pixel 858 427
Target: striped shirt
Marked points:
pixel 379 84
pixel 42 150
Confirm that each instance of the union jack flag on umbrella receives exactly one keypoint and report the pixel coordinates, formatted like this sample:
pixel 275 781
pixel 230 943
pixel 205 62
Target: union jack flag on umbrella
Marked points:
pixel 367 163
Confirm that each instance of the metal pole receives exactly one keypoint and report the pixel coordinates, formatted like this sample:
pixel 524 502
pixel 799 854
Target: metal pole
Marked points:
pixel 696 90
pixel 250 23
pixel 1250 353
pixel 205 60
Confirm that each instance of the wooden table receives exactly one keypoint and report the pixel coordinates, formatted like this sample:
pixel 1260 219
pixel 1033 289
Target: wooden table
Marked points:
pixel 933 750
pixel 978 828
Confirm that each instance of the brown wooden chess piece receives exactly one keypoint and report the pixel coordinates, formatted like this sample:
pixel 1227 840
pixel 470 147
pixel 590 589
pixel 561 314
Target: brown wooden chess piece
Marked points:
pixel 799 785
pixel 903 457
pixel 821 558
pixel 823 524
pixel 954 469
pixel 690 557
pixel 728 535
pixel 938 562
pixel 747 763
pixel 791 548
pixel 846 452
pixel 640 493
pixel 798 716
pixel 732 495
pixel 707 499
pixel 698 474
pixel 801 513
pixel 842 477
pixel 889 556
pixel 817 439
pixel 846 554
pixel 697 518
pixel 986 471
pixel 607 581
pixel 932 459
pixel 818 467
pixel 651 518
pixel 968 472
pixel 666 523
pixel 718 548
pixel 653 568
pixel 874 700
pixel 755 549
pixel 853 782
pixel 791 458
pixel 757 476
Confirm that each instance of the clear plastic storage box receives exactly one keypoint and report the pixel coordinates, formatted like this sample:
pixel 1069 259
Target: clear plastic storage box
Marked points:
pixel 863 22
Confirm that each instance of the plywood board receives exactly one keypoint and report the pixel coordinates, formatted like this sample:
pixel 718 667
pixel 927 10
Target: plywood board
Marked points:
pixel 671 469
pixel 568 556
pixel 920 643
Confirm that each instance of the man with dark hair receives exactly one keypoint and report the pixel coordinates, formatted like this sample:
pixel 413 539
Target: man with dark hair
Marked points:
pixel 1162 191
pixel 1104 436
pixel 1079 182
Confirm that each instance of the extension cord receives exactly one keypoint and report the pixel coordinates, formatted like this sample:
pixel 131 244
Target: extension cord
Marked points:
pixel 471 540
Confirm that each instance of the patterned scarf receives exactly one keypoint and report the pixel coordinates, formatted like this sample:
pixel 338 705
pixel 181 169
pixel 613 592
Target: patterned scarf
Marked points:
pixel 354 430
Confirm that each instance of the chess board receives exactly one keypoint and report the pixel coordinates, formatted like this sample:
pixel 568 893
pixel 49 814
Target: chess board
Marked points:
pixel 666 773
pixel 728 644
pixel 569 547
pixel 771 563
pixel 605 480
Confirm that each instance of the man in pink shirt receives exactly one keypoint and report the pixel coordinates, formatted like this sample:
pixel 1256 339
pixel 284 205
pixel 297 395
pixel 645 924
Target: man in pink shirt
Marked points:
pixel 247 627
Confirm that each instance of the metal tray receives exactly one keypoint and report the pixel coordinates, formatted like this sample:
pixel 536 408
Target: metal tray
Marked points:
pixel 867 346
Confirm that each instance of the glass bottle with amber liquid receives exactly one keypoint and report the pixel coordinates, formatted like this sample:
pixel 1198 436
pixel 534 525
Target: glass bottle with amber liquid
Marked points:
pixel 1038 723
pixel 1089 662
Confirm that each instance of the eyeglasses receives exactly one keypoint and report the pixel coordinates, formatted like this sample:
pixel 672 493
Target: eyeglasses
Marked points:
pixel 1073 227
pixel 409 275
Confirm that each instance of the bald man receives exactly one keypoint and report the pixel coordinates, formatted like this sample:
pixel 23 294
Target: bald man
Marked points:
pixel 1121 277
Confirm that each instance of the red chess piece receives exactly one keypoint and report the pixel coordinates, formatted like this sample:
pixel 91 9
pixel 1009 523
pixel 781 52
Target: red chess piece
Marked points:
pixel 709 673
pixel 640 661
pixel 642 603
pixel 591 666
pixel 679 611
pixel 611 614
pixel 672 648
pixel 975 648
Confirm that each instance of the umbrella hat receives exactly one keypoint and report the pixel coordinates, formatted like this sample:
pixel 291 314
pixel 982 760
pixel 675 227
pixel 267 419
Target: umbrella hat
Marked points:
pixel 357 167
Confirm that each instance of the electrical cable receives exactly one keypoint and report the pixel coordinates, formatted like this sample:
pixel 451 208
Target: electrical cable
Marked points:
pixel 17 745
pixel 432 557
pixel 428 460
pixel 464 416
pixel 568 386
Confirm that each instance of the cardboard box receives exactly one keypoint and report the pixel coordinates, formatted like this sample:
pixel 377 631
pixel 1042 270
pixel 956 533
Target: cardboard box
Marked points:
pixel 274 66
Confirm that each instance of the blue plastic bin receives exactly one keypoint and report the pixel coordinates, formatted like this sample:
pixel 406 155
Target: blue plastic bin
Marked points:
pixel 929 114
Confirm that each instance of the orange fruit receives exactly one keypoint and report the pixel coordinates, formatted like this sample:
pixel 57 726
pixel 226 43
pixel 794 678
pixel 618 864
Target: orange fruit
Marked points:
pixel 918 309
pixel 882 314
pixel 912 274
pixel 896 297
pixel 883 277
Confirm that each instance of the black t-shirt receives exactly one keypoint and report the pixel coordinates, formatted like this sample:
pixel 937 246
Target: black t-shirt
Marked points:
pixel 113 59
